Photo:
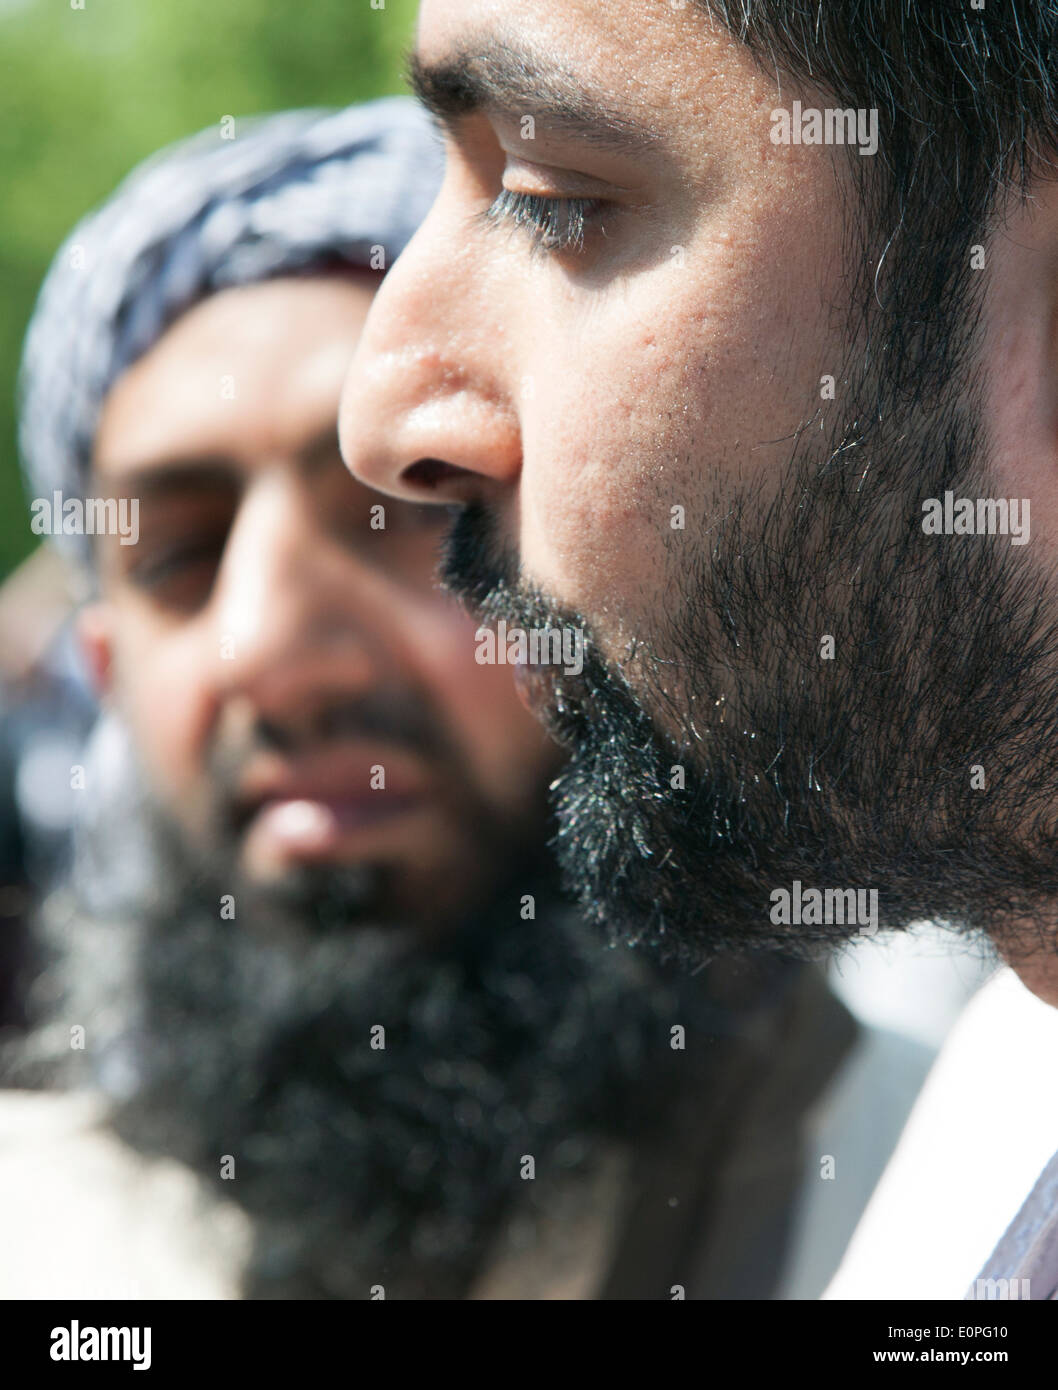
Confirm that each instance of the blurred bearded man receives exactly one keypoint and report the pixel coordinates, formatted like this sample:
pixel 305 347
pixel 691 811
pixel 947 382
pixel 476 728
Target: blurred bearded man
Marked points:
pixel 312 953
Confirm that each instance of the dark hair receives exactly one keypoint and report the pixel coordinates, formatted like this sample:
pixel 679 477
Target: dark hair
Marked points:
pixel 967 103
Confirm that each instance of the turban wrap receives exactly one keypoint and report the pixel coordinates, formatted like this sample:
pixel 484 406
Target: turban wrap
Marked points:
pixel 289 192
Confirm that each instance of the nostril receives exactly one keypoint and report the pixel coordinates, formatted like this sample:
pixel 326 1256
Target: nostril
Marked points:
pixel 430 474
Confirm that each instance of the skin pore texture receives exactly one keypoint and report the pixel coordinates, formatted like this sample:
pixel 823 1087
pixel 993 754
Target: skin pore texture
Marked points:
pixel 611 340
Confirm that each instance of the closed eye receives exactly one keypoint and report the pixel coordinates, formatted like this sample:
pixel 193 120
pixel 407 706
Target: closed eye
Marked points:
pixel 181 575
pixel 553 224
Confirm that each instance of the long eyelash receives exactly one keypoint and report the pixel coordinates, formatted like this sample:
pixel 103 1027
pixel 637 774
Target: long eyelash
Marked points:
pixel 554 224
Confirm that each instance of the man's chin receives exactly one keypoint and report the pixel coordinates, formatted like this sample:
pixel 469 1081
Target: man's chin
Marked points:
pixel 311 898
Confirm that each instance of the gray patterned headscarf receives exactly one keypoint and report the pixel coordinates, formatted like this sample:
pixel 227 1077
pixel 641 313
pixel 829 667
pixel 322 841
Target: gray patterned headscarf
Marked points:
pixel 287 192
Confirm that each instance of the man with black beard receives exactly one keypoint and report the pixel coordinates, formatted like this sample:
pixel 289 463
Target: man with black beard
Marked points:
pixel 312 957
pixel 745 374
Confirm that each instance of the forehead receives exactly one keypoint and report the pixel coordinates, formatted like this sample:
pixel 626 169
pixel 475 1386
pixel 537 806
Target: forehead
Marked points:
pixel 647 57
pixel 250 369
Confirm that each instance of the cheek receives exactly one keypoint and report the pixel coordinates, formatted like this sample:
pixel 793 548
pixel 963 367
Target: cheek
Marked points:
pixel 698 378
pixel 160 689
pixel 598 470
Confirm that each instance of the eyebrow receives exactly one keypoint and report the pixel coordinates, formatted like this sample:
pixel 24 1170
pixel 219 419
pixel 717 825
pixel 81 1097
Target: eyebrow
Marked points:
pixel 163 478
pixel 156 481
pixel 508 80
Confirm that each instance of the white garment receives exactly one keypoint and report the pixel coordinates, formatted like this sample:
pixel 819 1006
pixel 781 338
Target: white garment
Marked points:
pixel 906 990
pixel 982 1130
pixel 83 1216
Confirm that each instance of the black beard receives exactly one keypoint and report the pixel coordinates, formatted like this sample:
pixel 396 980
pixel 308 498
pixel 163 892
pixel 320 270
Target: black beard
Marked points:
pixel 850 773
pixel 358 1165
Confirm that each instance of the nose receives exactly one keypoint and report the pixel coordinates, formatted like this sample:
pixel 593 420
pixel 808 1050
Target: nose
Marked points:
pixel 427 412
pixel 298 621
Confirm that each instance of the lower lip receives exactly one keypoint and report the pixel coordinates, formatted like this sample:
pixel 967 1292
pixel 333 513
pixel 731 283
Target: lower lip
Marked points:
pixel 532 686
pixel 308 828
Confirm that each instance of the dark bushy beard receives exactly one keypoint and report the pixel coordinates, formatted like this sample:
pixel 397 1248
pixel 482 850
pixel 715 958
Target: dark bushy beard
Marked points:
pixel 359 1166
pixel 854 772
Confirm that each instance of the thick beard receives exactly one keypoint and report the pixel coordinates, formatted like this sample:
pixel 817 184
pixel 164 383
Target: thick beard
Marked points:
pixel 359 1165
pixel 849 773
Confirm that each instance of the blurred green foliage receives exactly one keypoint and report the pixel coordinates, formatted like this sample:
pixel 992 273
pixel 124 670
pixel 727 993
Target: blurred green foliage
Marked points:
pixel 86 93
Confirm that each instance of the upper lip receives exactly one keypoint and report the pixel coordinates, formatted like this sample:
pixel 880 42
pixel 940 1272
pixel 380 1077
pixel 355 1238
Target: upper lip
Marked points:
pixel 342 772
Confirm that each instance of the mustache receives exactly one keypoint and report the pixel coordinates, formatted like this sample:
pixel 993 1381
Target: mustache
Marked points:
pixel 485 576
pixel 475 566
pixel 395 717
